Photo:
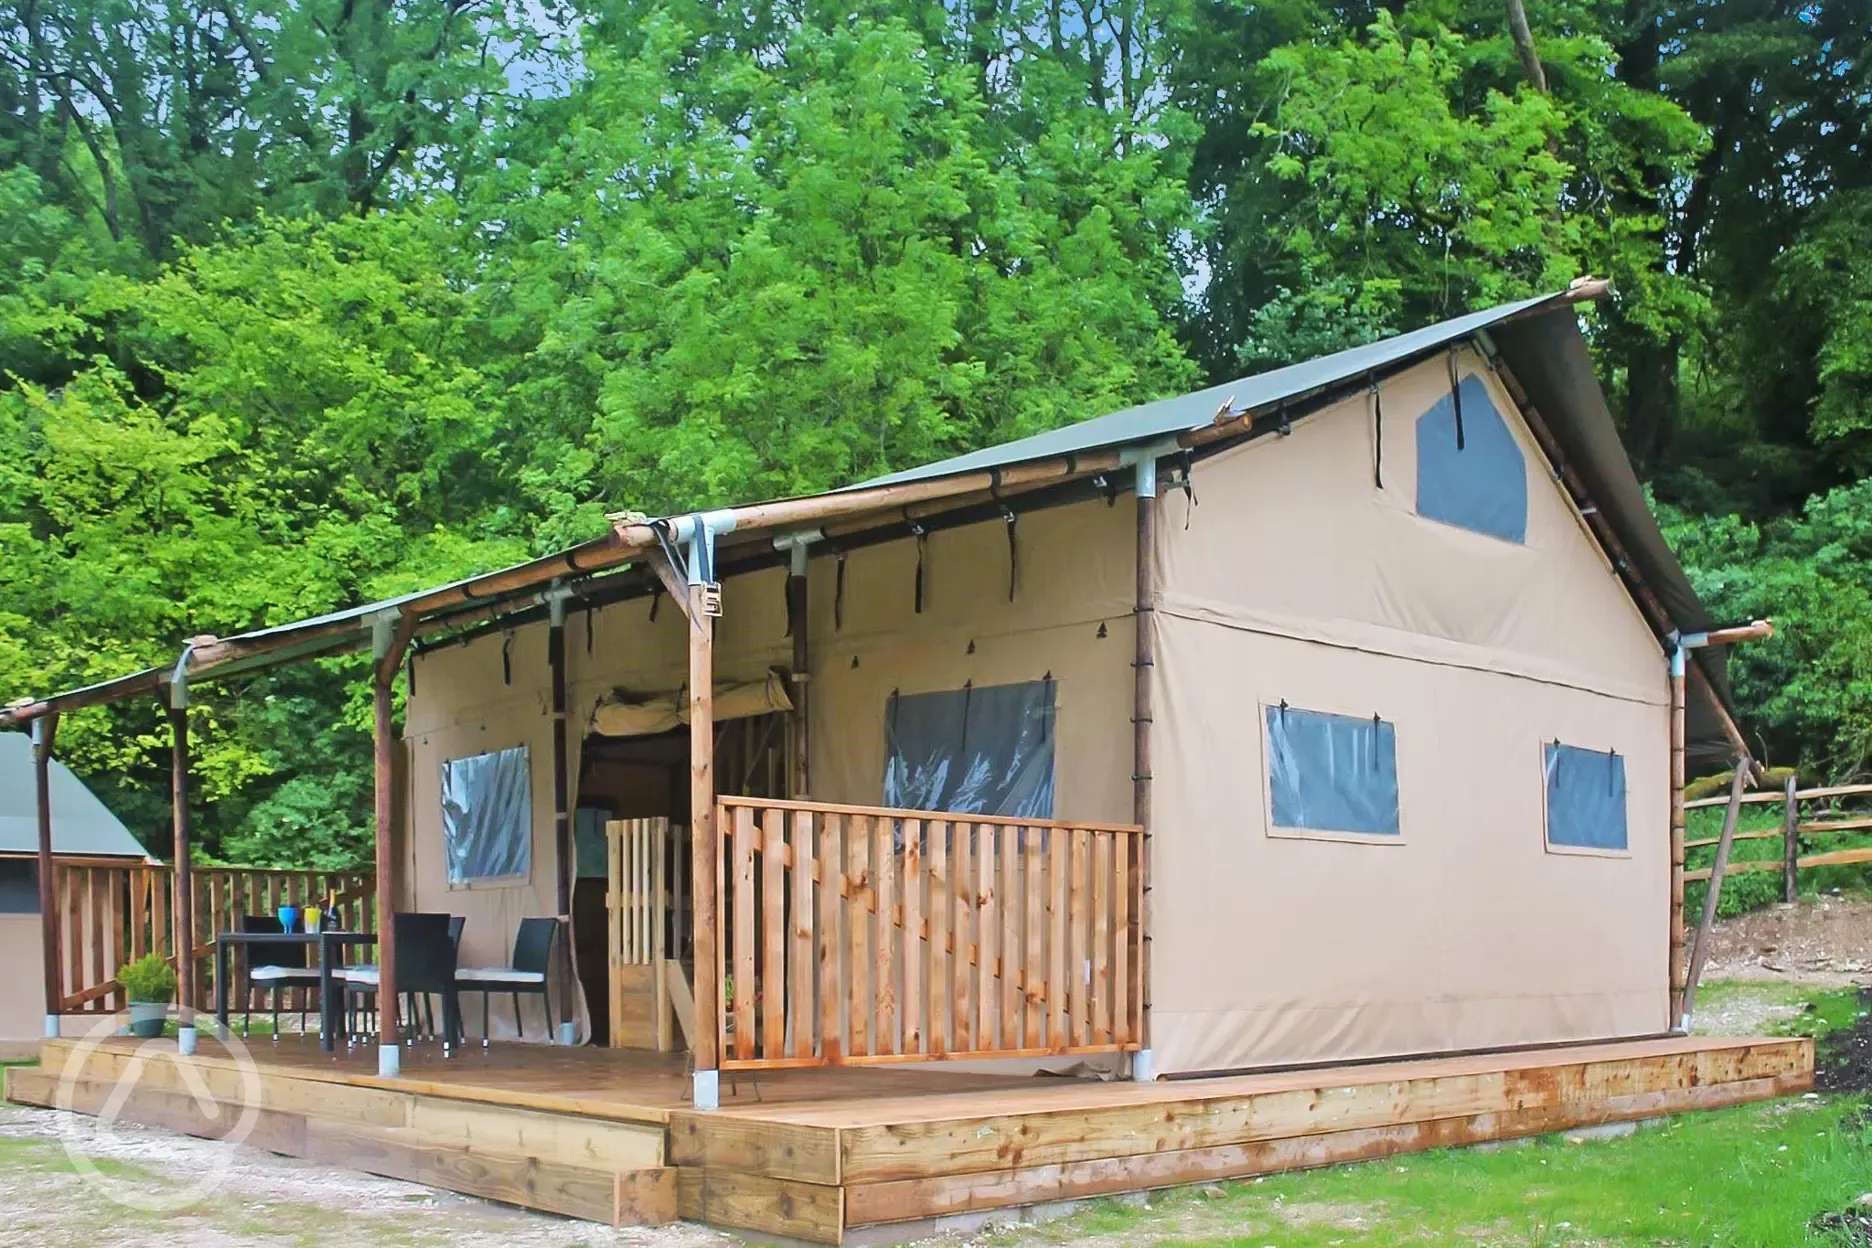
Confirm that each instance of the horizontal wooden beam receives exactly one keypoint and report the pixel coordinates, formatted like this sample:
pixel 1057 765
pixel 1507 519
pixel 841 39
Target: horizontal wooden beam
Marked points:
pixel 1836 858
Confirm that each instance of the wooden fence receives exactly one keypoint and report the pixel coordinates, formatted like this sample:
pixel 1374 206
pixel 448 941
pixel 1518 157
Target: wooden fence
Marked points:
pixel 1798 832
pixel 649 926
pixel 861 935
pixel 111 913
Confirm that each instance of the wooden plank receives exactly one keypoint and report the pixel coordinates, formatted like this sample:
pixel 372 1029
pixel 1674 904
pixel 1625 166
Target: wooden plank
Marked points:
pixel 1836 858
pixel 1101 850
pixel 804 1211
pixel 614 926
pixel 1010 939
pixel 883 854
pixel 1760 834
pixel 681 998
pixel 139 912
pixel 858 933
pixel 773 942
pixel 914 1040
pixel 1834 825
pixel 891 812
pixel 941 1196
pixel 936 1020
pixel 1059 994
pixel 961 855
pixel 1078 943
pixel 831 937
pixel 1122 1031
pixel 804 966
pixel 988 924
pixel 1033 1025
pixel 780 1150
pixel 743 910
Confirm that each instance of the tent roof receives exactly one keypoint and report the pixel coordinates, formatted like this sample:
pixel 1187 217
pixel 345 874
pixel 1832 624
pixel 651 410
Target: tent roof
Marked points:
pixel 1538 338
pixel 81 825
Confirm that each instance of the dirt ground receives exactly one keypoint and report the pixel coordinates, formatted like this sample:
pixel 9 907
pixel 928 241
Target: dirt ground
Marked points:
pixel 1824 943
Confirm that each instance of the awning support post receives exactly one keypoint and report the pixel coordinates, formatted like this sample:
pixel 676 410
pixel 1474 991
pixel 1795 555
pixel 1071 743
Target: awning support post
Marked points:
pixel 44 736
pixel 562 814
pixel 390 637
pixel 183 912
pixel 1678 774
pixel 799 617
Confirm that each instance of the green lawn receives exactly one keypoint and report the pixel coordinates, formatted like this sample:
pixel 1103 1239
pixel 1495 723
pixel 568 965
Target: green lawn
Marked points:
pixel 1751 1176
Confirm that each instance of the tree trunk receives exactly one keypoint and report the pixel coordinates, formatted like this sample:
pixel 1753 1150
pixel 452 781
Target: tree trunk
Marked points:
pixel 1524 46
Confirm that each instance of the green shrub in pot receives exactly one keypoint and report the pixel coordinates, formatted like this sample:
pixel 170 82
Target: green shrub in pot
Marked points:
pixel 150 984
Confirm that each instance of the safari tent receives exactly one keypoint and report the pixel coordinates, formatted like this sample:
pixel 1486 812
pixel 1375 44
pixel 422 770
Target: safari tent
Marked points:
pixel 1336 713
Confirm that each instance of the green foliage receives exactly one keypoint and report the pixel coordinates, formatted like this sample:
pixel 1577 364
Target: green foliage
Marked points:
pixel 149 979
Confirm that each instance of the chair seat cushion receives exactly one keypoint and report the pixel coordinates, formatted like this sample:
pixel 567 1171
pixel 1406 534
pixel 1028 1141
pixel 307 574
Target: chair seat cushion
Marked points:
pixel 283 974
pixel 497 975
pixel 357 974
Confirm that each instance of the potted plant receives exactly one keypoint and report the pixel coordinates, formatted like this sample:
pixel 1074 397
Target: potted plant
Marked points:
pixel 150 984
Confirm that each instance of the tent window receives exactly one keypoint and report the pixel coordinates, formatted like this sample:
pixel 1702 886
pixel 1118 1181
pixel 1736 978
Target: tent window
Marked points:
pixel 19 886
pixel 1585 798
pixel 986 750
pixel 1482 486
pixel 1332 773
pixel 487 816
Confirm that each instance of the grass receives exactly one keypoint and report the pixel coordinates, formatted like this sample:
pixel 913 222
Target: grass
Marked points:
pixel 1740 1178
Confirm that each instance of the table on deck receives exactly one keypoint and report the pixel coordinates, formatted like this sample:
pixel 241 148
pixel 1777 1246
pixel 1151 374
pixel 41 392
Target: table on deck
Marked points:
pixel 327 942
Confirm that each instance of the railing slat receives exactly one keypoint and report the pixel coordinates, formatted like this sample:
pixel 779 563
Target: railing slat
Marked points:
pixel 940 912
pixel 1059 851
pixel 961 862
pixel 1010 948
pixel 831 938
pixel 773 983
pixel 1121 939
pixel 883 855
pixel 803 965
pixel 858 924
pixel 913 951
pixel 988 920
pixel 744 933
pixel 1033 1025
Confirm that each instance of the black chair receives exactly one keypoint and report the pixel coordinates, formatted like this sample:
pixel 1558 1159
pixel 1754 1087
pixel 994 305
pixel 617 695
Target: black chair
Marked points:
pixel 272 967
pixel 530 974
pixel 425 964
pixel 456 924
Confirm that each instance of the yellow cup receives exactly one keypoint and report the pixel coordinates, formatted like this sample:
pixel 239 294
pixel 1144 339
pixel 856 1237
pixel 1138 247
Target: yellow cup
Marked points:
pixel 312 916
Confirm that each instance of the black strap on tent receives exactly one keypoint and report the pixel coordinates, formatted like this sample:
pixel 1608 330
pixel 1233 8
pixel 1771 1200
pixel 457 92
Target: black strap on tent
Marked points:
pixel 1377 471
pixel 1377 732
pixel 838 595
pixel 1611 785
pixel 410 664
pixel 656 597
pixel 507 659
pixel 1106 486
pixel 1187 483
pixel 1046 716
pixel 1007 514
pixel 922 542
pixel 968 702
pixel 1455 391
pixel 588 629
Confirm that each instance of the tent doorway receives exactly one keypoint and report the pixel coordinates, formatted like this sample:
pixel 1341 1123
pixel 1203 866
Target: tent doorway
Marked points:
pixel 631 904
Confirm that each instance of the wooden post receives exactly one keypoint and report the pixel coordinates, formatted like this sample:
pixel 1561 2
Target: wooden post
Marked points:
pixel 387 647
pixel 1677 776
pixel 1142 679
pixel 562 821
pixel 1790 845
pixel 1713 892
pixel 704 847
pixel 183 912
pixel 799 603
pixel 45 735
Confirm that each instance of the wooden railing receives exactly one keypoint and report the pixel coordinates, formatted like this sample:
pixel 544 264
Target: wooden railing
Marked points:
pixel 1843 810
pixel 111 913
pixel 648 925
pixel 859 935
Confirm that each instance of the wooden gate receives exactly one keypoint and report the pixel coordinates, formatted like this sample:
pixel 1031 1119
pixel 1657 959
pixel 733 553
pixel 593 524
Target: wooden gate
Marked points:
pixel 648 925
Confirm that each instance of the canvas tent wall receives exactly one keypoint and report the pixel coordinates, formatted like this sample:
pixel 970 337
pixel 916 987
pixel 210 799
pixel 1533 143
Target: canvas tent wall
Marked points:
pixel 1068 621
pixel 1300 580
pixel 81 827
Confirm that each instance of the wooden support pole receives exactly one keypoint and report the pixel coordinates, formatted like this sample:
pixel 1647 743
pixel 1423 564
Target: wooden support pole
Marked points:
pixel 1713 892
pixel 1678 773
pixel 562 822
pixel 1143 678
pixel 799 603
pixel 1790 845
pixel 183 911
pixel 387 648
pixel 45 736
pixel 704 846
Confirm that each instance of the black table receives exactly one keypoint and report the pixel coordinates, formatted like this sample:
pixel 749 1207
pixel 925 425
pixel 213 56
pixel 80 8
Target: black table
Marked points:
pixel 327 942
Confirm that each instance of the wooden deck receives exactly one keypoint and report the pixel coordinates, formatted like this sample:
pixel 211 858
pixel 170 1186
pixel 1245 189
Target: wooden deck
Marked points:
pixel 875 1154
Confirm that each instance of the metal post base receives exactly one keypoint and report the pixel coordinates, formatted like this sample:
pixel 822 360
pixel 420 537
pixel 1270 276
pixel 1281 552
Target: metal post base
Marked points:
pixel 1143 1066
pixel 51 1026
pixel 707 1089
pixel 185 1040
pixel 568 1033
pixel 389 1061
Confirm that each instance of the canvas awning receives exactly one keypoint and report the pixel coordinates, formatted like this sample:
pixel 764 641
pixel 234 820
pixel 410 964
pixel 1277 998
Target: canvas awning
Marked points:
pixel 622 715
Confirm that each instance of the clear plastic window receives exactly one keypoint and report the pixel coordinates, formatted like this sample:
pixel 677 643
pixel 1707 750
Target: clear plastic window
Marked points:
pixel 1332 773
pixel 1585 798
pixel 1482 485
pixel 487 816
pixel 978 750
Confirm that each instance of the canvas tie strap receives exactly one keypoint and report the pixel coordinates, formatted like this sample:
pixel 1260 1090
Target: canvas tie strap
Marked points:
pixel 507 659
pixel 1007 514
pixel 410 664
pixel 838 595
pixel 922 540
pixel 1455 391
pixel 1377 472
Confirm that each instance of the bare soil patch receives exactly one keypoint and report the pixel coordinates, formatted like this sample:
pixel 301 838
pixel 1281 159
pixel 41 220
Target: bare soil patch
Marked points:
pixel 1825 942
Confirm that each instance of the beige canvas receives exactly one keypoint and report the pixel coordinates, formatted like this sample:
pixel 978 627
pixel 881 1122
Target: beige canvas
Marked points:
pixel 1298 579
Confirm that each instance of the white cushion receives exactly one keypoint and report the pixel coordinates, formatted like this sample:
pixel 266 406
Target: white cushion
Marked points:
pixel 300 973
pixel 498 975
pixel 357 974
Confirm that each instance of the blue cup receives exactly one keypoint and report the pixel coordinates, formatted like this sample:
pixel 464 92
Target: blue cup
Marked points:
pixel 289 918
